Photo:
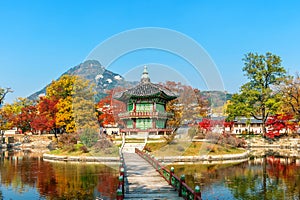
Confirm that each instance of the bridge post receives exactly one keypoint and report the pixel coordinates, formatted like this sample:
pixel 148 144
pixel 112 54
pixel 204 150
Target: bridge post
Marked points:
pixel 171 174
pixel 119 194
pixel 122 171
pixel 121 184
pixel 197 193
pixel 182 180
pixel 122 174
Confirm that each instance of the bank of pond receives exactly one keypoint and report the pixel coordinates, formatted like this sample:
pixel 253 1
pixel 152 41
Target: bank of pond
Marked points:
pixel 26 175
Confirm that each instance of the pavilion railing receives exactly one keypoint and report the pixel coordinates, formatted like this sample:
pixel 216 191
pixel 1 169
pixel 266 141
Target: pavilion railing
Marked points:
pixel 178 183
pixel 145 113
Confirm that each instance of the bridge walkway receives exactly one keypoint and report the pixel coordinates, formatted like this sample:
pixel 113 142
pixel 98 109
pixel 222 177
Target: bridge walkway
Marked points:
pixel 142 181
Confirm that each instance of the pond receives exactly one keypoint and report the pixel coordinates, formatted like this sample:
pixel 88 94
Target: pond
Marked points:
pixel 26 176
pixel 269 177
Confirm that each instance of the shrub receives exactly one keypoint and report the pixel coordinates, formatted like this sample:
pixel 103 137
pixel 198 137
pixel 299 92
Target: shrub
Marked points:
pixel 84 149
pixel 52 146
pixel 225 139
pixel 103 144
pixel 88 137
pixel 147 148
pixel 213 137
pixel 192 132
pixel 67 141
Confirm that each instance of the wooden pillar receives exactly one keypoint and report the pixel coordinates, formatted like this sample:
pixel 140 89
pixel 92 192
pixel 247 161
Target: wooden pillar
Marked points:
pixel 153 123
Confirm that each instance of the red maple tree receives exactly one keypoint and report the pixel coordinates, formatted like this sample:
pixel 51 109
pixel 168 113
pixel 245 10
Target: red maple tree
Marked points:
pixel 24 119
pixel 280 123
pixel 45 120
pixel 108 109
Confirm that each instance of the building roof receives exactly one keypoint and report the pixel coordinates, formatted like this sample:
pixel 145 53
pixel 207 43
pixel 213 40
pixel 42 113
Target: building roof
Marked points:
pixel 244 120
pixel 146 89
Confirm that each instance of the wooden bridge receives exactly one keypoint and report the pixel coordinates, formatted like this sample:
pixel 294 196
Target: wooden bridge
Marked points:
pixel 142 177
pixel 143 182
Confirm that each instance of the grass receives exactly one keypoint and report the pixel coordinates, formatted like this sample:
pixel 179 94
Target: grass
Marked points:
pixel 186 148
pixel 200 148
pixel 154 146
pixel 107 152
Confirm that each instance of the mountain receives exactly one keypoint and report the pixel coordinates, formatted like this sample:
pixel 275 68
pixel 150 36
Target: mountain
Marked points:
pixel 93 71
pixel 105 80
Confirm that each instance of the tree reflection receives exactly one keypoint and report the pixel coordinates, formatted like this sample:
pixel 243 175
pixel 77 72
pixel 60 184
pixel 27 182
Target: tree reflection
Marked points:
pixel 57 180
pixel 264 178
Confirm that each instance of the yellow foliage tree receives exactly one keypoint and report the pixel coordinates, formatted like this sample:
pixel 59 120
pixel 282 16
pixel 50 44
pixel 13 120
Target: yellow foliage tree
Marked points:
pixel 64 115
pixel 290 93
pixel 75 107
pixel 9 112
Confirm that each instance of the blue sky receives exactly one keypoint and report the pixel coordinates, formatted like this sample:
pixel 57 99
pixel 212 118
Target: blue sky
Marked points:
pixel 40 40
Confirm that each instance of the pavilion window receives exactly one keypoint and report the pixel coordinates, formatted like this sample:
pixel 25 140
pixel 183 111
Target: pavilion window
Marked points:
pixel 129 124
pixel 160 107
pixel 144 107
pixel 130 107
pixel 160 123
pixel 143 124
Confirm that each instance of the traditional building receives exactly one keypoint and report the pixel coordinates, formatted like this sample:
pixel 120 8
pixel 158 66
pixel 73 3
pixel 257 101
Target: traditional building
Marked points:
pixel 146 107
pixel 247 125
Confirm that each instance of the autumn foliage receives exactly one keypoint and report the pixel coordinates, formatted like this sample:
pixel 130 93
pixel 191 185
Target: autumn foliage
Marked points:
pixel 279 124
pixel 46 117
pixel 108 109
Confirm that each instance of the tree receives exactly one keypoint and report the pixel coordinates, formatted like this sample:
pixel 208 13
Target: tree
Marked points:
pixel 3 115
pixel 189 105
pixel 75 103
pixel 64 116
pixel 257 97
pixel 205 125
pixel 83 101
pixel 105 110
pixel 24 119
pixel 3 93
pixel 12 114
pixel 108 109
pixel 6 119
pixel 290 92
pixel 278 123
pixel 45 120
pixel 61 88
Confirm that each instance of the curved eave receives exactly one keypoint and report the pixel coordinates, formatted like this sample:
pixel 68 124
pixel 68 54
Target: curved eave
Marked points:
pixel 125 96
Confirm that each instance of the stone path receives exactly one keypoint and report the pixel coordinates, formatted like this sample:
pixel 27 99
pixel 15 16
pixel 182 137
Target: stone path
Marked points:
pixel 142 181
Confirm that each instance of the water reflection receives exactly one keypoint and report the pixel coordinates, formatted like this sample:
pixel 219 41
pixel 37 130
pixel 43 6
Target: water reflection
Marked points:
pixel 27 176
pixel 268 177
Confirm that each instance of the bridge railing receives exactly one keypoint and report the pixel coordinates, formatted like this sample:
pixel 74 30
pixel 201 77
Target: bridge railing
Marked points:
pixel 121 179
pixel 178 183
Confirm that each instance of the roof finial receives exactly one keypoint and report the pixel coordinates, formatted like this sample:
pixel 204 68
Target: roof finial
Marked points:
pixel 145 76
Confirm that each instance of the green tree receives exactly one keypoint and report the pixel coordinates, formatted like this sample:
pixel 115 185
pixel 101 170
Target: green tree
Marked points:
pixel 257 98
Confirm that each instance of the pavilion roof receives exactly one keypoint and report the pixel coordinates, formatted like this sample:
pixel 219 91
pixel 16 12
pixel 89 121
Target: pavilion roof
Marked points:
pixel 146 89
